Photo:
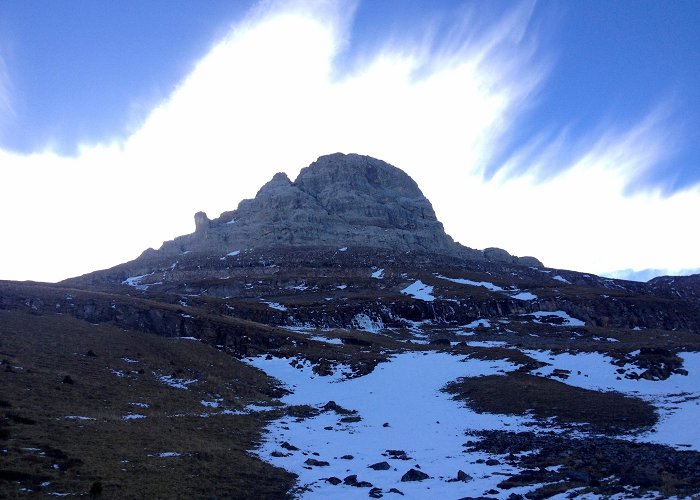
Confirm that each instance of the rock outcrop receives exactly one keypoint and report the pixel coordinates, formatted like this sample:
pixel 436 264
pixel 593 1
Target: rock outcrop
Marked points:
pixel 338 201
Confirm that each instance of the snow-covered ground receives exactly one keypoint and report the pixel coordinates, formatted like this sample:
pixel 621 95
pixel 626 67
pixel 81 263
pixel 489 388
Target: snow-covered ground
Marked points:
pixel 677 398
pixel 567 320
pixel 401 408
pixel 419 290
pixel 461 281
pixel 135 281
pixel 275 305
pixel 512 291
pixel 363 322
pixel 524 296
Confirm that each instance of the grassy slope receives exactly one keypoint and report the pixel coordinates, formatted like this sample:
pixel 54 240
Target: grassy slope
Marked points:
pixel 520 393
pixel 39 445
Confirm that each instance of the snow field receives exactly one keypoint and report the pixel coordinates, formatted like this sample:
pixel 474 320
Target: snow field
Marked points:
pixel 402 408
pixel 677 398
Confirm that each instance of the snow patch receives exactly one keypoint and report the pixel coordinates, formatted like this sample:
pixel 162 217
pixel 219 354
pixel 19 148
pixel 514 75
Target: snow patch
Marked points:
pixel 378 274
pixel 401 407
pixel 275 305
pixel 485 284
pixel 135 281
pixel 176 383
pixel 362 321
pixel 568 320
pixel 479 322
pixel 419 290
pixel 677 398
pixel 486 343
pixel 133 416
pixel 326 340
pixel 231 254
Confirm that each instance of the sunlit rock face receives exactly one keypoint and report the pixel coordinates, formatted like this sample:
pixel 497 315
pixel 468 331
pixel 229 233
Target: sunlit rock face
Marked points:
pixel 339 200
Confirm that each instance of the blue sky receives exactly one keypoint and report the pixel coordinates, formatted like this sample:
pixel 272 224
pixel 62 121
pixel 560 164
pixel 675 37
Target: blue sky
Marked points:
pixel 574 125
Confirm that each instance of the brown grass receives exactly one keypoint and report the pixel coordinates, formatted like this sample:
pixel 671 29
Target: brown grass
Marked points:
pixel 39 352
pixel 519 393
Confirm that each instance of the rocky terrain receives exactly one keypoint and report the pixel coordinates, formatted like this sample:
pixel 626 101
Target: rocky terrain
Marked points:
pixel 384 359
pixel 339 200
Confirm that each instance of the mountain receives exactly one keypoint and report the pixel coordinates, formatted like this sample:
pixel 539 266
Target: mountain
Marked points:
pixel 402 362
pixel 337 201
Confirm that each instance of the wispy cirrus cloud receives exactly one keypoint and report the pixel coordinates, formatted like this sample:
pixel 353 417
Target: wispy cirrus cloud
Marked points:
pixel 630 151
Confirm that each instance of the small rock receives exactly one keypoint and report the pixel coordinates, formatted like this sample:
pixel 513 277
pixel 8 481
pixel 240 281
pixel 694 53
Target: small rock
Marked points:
pixel 68 380
pixel 463 476
pixel 414 475
pixel 396 454
pixel 331 406
pixel 316 463
pixel 350 480
pixel 397 491
pixel 335 481
pixel 375 493
pixel 380 466
pixel 385 424
pixel 580 476
pixel 347 457
pixel 289 447
pixel 492 461
pixel 440 342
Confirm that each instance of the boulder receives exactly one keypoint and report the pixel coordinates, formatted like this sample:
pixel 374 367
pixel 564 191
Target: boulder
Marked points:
pixel 380 466
pixel 414 475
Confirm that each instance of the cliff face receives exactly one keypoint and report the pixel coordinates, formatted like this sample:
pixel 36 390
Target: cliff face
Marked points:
pixel 339 200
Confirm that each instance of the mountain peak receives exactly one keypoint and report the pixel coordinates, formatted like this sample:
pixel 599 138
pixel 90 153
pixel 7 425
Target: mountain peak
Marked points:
pixel 339 200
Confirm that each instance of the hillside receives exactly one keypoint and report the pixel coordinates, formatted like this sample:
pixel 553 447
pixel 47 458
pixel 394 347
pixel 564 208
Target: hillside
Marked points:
pixel 332 340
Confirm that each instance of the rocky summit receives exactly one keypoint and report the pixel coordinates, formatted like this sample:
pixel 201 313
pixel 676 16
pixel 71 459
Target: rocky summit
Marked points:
pixel 327 339
pixel 339 200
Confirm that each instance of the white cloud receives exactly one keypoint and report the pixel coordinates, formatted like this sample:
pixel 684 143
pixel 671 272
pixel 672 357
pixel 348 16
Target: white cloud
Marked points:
pixel 647 274
pixel 268 98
